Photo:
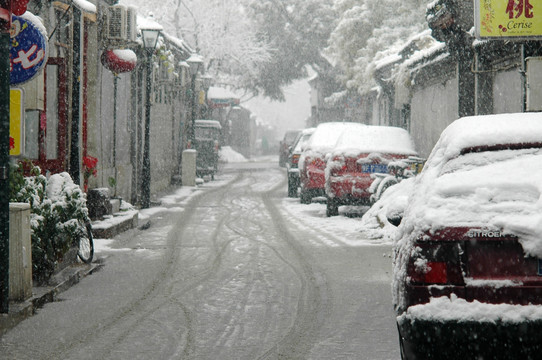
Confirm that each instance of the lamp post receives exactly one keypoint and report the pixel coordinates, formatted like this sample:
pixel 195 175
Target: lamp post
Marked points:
pixel 207 82
pixel 150 38
pixel 195 63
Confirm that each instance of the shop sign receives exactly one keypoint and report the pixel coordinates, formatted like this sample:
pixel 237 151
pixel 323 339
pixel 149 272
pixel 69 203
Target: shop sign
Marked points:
pixel 508 19
pixel 28 52
pixel 16 122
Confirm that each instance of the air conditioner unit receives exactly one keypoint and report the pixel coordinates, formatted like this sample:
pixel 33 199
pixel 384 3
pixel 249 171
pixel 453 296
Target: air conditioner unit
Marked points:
pixel 131 23
pixel 117 22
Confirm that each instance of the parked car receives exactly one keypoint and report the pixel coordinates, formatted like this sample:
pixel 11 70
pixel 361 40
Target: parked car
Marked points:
pixel 312 161
pixel 467 279
pixel 359 154
pixel 285 145
pixel 207 134
pixel 293 160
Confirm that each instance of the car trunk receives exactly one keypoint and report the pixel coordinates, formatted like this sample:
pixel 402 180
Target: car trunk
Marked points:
pixel 476 264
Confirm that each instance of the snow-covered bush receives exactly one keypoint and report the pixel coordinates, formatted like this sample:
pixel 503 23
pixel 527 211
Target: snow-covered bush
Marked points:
pixel 57 207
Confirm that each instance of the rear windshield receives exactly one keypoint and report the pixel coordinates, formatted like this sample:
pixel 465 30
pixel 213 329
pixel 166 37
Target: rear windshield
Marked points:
pixel 302 142
pixel 207 133
pixel 486 159
pixel 377 139
pixel 290 136
pixel 325 137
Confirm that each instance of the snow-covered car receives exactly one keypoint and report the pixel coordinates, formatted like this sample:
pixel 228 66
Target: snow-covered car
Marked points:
pixel 467 277
pixel 285 146
pixel 207 137
pixel 293 160
pixel 312 162
pixel 383 217
pixel 358 155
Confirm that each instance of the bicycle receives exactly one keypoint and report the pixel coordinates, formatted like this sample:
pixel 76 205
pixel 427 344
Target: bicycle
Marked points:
pixel 85 241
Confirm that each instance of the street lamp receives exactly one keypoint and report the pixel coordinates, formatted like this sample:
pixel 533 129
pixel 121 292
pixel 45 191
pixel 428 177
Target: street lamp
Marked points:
pixel 195 61
pixel 207 82
pixel 150 38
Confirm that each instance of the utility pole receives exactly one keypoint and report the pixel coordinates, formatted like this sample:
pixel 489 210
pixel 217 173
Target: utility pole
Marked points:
pixel 7 7
pixel 5 24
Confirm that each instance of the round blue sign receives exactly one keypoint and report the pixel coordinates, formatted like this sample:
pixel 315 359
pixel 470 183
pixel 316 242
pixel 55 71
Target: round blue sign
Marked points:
pixel 28 51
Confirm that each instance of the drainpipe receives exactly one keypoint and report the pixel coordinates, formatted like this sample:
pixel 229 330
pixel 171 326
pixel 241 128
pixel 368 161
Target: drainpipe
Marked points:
pixel 74 168
pixel 524 78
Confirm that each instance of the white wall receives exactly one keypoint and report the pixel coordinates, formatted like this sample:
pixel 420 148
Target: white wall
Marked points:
pixel 507 93
pixel 432 109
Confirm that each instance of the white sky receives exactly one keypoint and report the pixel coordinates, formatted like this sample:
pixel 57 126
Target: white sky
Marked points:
pixel 289 115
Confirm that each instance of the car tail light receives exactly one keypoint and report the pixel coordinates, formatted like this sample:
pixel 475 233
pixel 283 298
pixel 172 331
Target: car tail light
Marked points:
pixel 216 145
pixel 437 263
pixel 432 273
pixel 318 162
pixel 338 166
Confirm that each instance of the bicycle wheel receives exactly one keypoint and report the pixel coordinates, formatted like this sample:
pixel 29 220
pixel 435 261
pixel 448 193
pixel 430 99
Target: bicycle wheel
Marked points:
pixel 86 244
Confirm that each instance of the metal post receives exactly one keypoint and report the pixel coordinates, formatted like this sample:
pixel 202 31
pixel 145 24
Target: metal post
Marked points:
pixel 146 168
pixel 4 165
pixel 115 91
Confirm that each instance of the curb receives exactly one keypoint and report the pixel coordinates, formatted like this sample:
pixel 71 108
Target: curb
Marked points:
pixel 41 295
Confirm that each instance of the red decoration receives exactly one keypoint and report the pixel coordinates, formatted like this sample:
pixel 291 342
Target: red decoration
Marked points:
pixel 18 7
pixel 119 61
pixel 89 168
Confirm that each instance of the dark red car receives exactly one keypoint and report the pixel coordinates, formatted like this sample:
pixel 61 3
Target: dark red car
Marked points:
pixel 285 146
pixel 358 155
pixel 312 162
pixel 467 278
pixel 293 160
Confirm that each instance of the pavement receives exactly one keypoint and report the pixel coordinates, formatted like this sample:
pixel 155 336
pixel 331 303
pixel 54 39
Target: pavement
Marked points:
pixel 67 276
pixel 73 270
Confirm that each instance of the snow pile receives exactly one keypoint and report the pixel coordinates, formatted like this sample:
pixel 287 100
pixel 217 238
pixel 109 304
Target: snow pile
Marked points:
pixel 228 155
pixel 374 223
pixel 455 309
pixel 324 139
pixel 368 139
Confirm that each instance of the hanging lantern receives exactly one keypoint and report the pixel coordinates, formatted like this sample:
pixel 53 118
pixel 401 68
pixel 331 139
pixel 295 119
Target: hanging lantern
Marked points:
pixel 119 60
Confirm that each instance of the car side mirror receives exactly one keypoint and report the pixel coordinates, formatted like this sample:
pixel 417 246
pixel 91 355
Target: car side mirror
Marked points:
pixel 395 220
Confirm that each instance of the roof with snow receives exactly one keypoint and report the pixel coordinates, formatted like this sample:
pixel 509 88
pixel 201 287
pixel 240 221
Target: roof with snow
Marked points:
pixel 219 97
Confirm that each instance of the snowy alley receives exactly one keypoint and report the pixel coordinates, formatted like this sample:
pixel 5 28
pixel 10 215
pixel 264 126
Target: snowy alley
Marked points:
pixel 234 271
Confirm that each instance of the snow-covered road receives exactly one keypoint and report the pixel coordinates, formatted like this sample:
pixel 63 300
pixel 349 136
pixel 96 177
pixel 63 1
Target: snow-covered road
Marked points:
pixel 234 271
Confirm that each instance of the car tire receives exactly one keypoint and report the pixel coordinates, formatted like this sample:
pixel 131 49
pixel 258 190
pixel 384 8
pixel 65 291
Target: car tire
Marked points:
pixel 401 345
pixel 332 207
pixel 292 186
pixel 305 197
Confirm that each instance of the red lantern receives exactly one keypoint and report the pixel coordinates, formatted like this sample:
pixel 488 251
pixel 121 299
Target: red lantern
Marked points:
pixel 18 7
pixel 119 61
